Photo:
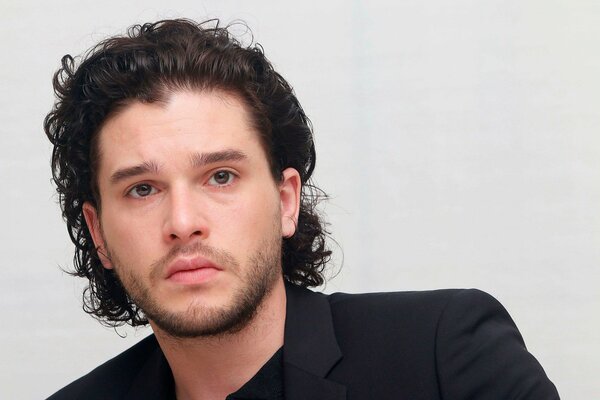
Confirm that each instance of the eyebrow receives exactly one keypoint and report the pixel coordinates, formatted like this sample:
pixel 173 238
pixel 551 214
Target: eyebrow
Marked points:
pixel 136 170
pixel 202 159
pixel 197 160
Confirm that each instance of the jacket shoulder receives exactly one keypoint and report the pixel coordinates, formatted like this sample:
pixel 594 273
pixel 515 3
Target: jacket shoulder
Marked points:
pixel 480 353
pixel 395 332
pixel 406 319
pixel 385 307
pixel 113 378
pixel 462 342
pixel 422 309
pixel 420 296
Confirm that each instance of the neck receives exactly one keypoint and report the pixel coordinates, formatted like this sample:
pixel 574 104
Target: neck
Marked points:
pixel 213 367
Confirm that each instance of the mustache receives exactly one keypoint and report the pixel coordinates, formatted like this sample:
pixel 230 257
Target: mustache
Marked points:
pixel 217 256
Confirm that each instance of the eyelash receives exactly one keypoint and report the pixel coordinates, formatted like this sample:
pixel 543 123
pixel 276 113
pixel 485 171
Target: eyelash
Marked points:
pixel 231 177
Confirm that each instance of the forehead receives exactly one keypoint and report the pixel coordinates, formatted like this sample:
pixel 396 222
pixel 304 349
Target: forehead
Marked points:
pixel 187 121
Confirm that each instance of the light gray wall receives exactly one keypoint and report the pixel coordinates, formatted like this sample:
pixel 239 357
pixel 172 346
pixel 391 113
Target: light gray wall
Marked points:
pixel 458 139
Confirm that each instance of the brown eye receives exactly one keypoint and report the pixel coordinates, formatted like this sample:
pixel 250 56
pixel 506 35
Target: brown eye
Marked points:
pixel 221 178
pixel 140 191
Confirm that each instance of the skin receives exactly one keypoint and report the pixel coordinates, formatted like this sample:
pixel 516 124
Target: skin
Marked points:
pixel 229 212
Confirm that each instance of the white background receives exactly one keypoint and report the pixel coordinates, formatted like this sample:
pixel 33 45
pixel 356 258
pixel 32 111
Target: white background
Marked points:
pixel 459 141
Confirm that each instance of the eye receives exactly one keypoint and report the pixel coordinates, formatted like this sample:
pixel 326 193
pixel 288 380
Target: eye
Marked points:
pixel 142 190
pixel 221 178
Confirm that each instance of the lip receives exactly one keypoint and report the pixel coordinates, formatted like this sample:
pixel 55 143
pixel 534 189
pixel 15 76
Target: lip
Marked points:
pixel 189 267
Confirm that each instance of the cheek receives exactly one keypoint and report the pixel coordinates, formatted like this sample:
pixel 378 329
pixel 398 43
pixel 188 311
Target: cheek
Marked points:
pixel 128 234
pixel 252 220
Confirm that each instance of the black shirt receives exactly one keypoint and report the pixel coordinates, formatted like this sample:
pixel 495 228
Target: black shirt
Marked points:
pixel 267 384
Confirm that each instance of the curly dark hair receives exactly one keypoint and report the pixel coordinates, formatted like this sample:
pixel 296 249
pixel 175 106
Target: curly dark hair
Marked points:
pixel 146 65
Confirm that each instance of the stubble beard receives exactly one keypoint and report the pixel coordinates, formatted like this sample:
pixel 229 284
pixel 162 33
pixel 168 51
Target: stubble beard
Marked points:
pixel 199 320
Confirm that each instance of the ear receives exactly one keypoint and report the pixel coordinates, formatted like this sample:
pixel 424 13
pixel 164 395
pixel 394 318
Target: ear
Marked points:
pixel 93 223
pixel 289 194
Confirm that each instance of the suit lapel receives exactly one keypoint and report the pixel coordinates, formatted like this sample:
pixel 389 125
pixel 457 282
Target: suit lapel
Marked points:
pixel 310 348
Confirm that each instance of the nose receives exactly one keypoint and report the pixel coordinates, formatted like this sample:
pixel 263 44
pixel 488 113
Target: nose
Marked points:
pixel 185 220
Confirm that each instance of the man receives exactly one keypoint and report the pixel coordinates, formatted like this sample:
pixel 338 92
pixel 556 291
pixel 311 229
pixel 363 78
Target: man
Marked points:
pixel 183 163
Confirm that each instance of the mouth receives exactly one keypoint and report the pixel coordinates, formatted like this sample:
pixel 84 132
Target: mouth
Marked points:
pixel 191 270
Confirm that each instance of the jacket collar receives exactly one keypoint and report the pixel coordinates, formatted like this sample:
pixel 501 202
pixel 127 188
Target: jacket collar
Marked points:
pixel 310 348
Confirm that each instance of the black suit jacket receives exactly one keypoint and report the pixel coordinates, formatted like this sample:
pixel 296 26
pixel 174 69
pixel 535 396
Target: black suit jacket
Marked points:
pixel 445 344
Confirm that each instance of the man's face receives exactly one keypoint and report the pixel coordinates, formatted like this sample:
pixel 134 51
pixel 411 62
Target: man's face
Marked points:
pixel 192 219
